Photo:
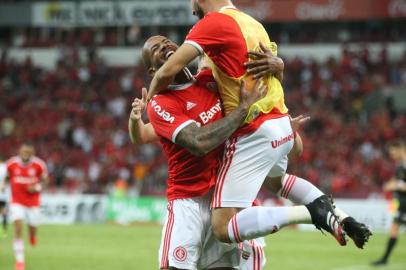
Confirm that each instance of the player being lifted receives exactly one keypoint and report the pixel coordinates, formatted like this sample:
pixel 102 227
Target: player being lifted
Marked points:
pixel 187 118
pixel 259 148
pixel 397 185
pixel 27 175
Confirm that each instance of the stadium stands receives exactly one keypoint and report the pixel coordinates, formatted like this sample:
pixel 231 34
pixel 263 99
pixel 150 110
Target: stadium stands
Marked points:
pixel 77 116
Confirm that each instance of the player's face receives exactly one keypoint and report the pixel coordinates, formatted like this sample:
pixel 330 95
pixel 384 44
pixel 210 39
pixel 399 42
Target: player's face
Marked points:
pixel 396 153
pixel 26 152
pixel 197 9
pixel 159 49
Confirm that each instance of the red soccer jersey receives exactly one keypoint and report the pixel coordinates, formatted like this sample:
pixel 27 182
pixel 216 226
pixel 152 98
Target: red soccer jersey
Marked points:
pixel 226 37
pixel 170 112
pixel 24 175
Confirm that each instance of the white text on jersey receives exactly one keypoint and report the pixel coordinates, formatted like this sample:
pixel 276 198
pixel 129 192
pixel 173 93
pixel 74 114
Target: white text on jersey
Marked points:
pixel 206 116
pixel 162 113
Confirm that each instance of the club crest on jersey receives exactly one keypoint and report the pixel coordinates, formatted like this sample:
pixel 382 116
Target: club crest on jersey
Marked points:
pixel 180 254
pixel 190 105
pixel 207 116
pixel 162 113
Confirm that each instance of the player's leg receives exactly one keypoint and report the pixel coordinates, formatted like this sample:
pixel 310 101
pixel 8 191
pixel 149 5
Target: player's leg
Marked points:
pixel 33 221
pixel 246 162
pixel 3 213
pixel 256 256
pixel 393 237
pixel 17 217
pixel 181 240
pixel 301 191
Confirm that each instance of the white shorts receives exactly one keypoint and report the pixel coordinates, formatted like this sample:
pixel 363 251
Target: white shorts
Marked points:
pixel 248 159
pixel 187 240
pixel 31 215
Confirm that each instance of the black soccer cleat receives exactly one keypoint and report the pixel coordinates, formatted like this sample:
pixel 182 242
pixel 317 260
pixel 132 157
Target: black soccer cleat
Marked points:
pixel 358 232
pixel 324 217
pixel 379 262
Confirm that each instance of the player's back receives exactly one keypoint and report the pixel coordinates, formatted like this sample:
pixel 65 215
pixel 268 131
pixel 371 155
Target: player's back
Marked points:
pixel 226 37
pixel 170 112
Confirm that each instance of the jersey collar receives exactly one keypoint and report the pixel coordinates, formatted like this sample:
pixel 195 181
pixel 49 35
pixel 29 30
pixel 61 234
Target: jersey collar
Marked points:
pixel 227 7
pixel 180 86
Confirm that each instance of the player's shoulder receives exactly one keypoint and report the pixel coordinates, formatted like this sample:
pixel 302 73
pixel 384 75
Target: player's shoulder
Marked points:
pixel 38 161
pixel 206 80
pixel 12 161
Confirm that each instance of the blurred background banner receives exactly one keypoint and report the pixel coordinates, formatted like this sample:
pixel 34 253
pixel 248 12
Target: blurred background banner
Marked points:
pixel 176 12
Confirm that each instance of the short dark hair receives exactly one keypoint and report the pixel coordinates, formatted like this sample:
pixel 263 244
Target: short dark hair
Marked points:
pixel 398 143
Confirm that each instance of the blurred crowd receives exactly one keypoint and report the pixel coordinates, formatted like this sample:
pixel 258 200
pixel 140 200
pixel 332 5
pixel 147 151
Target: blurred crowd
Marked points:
pixel 77 117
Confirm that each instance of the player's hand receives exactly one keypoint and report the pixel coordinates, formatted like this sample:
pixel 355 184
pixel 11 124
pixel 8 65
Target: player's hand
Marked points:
pixel 247 98
pixel 138 106
pixel 35 188
pixel 263 63
pixel 298 121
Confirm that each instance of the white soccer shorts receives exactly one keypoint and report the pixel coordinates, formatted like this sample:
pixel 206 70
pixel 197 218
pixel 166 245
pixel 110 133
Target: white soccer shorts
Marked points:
pixel 187 240
pixel 31 215
pixel 248 159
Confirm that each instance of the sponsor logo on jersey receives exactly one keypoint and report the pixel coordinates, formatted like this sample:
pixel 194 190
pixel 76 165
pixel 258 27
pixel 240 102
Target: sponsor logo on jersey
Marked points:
pixel 277 143
pixel 162 113
pixel 180 254
pixel 190 105
pixel 207 116
pixel 24 180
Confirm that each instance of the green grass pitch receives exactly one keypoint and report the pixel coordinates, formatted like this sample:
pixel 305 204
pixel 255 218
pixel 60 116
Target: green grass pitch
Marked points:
pixel 107 247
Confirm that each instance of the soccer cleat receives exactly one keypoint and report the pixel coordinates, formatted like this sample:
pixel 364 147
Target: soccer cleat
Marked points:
pixel 20 266
pixel 33 241
pixel 324 217
pixel 379 262
pixel 358 232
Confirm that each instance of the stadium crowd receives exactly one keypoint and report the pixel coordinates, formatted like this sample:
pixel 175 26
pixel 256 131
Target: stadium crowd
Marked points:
pixel 77 117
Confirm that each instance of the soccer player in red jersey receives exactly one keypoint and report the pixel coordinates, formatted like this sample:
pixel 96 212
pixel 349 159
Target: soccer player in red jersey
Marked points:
pixel 27 175
pixel 188 120
pixel 258 150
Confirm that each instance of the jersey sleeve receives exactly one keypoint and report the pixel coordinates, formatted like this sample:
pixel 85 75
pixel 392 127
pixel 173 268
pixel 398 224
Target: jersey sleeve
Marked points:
pixel 167 117
pixel 209 34
pixel 44 169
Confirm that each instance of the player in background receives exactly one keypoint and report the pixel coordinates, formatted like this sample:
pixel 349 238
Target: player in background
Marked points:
pixel 3 198
pixel 226 35
pixel 28 175
pixel 184 118
pixel 397 185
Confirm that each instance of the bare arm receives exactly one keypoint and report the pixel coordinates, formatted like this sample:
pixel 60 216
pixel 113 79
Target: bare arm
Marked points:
pixel 265 63
pixel 201 140
pixel 139 132
pixel 395 185
pixel 165 74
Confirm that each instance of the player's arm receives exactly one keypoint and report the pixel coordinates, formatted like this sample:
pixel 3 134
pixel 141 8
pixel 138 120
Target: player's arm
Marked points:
pixel 394 185
pixel 264 63
pixel 166 74
pixel 201 140
pixel 139 132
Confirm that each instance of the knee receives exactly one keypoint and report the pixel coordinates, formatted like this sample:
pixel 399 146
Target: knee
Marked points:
pixel 220 230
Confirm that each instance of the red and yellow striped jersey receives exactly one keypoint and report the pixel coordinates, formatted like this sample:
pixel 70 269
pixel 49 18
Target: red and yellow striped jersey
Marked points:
pixel 226 37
